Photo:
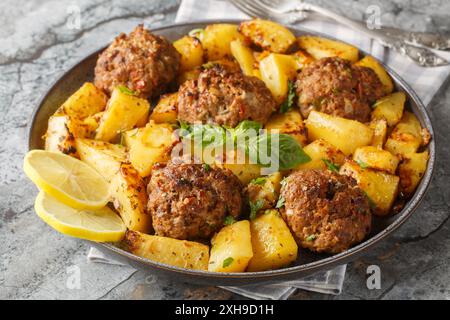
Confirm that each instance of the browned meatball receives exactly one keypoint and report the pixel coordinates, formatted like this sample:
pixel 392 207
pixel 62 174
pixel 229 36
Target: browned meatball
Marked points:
pixel 326 212
pixel 334 86
pixel 191 201
pixel 220 96
pixel 141 61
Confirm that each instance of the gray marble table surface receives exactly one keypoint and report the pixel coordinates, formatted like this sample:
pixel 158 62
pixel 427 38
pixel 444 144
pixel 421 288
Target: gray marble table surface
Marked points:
pixel 37 45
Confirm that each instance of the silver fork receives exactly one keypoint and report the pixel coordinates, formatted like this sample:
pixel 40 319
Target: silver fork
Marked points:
pixel 266 10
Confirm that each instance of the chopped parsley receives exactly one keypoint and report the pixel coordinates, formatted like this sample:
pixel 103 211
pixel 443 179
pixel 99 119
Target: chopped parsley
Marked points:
pixel 289 102
pixel 330 165
pixel 259 181
pixel 206 167
pixel 362 164
pixel 196 33
pixel 229 220
pixel 255 207
pixel 311 237
pixel 280 202
pixel 227 262
pixel 127 91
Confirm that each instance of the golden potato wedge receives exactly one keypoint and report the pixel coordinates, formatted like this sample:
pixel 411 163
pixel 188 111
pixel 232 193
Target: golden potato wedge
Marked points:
pixel 370 62
pixel 389 108
pixel 375 158
pixel 379 127
pixel 319 48
pixel 245 171
pixel 276 70
pixel 290 123
pixel 217 38
pixel 166 111
pixel 149 145
pixel 381 188
pixel 273 244
pixel 188 75
pixel 104 157
pixel 85 102
pixel 191 51
pixel 302 58
pixel 122 113
pixel 178 253
pixel 231 248
pixel 92 123
pixel 244 56
pixel 321 151
pixel 268 35
pixel 411 171
pixel 129 196
pixel 266 189
pixel 61 134
pixel 344 134
pixel 406 137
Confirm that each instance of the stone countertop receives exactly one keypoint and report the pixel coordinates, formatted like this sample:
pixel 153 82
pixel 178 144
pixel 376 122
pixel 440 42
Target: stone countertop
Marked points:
pixel 37 47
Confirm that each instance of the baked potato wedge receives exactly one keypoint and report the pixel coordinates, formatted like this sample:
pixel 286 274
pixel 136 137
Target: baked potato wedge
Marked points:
pixel 268 35
pixel 174 252
pixel 104 157
pixel 319 48
pixel 346 135
pixel 265 189
pixel 85 102
pixel 244 56
pixel 216 40
pixel 389 108
pixel 375 158
pixel 273 244
pixel 191 51
pixel 123 112
pixel 166 111
pixel 231 248
pixel 411 171
pixel 245 170
pixel 321 152
pixel 129 196
pixel 380 187
pixel 379 127
pixel 290 123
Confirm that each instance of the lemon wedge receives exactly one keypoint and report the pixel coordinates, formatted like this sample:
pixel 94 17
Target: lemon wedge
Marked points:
pixel 102 225
pixel 67 179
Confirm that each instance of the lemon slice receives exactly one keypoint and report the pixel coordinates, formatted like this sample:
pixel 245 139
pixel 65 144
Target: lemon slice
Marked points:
pixel 102 225
pixel 67 179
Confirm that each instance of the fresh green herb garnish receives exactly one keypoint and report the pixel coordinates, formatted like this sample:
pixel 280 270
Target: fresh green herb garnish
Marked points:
pixel 289 102
pixel 229 220
pixel 330 165
pixel 227 262
pixel 259 181
pixel 362 164
pixel 208 65
pixel 206 167
pixel 127 91
pixel 255 207
pixel 311 237
pixel 196 33
pixel 280 202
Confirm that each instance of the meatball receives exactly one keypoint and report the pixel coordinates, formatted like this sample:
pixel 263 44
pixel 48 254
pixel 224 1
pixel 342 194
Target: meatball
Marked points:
pixel 326 212
pixel 191 201
pixel 220 96
pixel 141 61
pixel 334 86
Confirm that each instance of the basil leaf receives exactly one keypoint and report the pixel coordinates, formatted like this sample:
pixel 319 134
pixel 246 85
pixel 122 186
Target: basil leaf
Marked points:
pixel 289 102
pixel 227 262
pixel 330 165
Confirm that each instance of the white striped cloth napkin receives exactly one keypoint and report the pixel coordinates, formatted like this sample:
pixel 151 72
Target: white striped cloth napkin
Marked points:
pixel 425 81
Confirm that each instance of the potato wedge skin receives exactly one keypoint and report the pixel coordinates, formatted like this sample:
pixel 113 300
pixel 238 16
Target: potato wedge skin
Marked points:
pixel 104 157
pixel 290 123
pixel 166 111
pixel 344 134
pixel 231 248
pixel 129 195
pixel 411 171
pixel 267 35
pixel 273 244
pixel 370 62
pixel 319 48
pixel 320 150
pixel 217 38
pixel 191 52
pixel 381 188
pixel 376 158
pixel 174 252
pixel 149 145
pixel 123 112
pixel 85 102
pixel 390 108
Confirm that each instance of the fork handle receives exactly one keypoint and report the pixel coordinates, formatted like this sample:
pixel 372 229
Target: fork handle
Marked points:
pixel 422 56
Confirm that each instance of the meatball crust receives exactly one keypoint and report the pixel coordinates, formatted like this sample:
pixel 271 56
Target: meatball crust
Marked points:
pixel 191 201
pixel 326 212
pixel 334 86
pixel 141 61
pixel 220 96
